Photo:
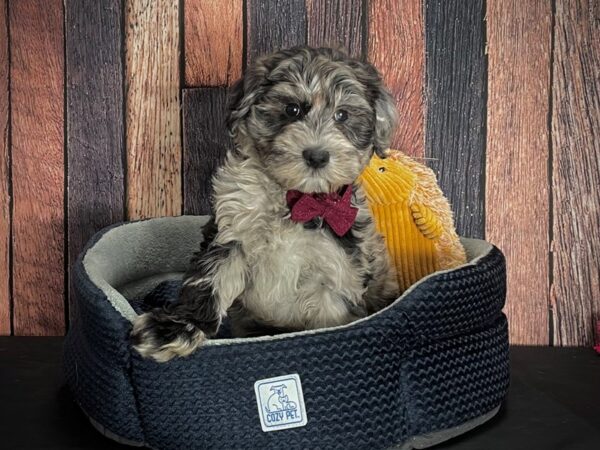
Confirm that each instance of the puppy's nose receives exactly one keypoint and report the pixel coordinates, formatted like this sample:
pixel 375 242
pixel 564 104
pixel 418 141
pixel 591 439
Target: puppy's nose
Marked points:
pixel 315 157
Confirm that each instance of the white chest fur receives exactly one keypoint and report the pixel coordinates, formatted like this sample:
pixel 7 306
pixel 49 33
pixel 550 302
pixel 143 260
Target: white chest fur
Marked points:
pixel 296 277
pixel 302 278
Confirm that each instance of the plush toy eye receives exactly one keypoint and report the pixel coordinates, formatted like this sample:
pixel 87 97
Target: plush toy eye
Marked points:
pixel 340 115
pixel 293 110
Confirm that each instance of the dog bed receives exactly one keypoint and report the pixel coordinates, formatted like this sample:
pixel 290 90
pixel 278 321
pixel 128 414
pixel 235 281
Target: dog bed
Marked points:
pixel 432 365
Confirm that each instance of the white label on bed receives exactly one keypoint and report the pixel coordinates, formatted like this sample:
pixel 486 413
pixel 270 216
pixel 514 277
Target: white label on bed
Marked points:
pixel 280 402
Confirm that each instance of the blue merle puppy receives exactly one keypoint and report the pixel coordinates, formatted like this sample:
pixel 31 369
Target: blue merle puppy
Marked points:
pixel 293 245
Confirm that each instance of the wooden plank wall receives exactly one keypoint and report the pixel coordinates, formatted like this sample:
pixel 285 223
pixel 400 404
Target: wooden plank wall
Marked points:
pixel 338 24
pixel 94 153
pixel 213 41
pixel 273 25
pixel 396 31
pixel 5 294
pixel 576 171
pixel 153 131
pixel 456 100
pixel 511 131
pixel 206 142
pixel 37 146
pixel 517 195
pixel 213 61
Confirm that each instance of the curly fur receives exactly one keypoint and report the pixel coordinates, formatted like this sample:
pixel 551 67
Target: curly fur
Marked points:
pixel 264 270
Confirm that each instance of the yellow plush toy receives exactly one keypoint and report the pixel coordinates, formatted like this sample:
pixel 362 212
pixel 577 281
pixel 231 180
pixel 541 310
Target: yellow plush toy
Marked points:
pixel 413 215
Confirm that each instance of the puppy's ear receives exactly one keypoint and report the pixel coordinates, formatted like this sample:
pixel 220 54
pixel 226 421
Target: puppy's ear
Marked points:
pixel 242 95
pixel 386 115
pixel 234 100
pixel 247 91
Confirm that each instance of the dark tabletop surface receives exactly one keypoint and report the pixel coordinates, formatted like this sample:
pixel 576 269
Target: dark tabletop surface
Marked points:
pixel 553 402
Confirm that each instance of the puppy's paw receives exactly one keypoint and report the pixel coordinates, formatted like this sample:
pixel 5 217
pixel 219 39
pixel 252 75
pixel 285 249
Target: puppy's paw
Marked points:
pixel 155 335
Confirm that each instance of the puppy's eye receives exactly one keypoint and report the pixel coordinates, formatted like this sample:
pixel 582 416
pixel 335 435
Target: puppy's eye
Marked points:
pixel 341 115
pixel 293 110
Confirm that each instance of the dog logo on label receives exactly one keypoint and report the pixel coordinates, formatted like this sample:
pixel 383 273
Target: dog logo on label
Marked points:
pixel 280 402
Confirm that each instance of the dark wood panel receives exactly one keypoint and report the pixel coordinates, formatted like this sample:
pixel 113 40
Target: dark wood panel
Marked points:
pixel 517 192
pixel 94 119
pixel 213 40
pixel 455 105
pixel 4 175
pixel 336 23
pixel 37 106
pixel 576 171
pixel 273 25
pixel 205 143
pixel 397 48
pixel 153 131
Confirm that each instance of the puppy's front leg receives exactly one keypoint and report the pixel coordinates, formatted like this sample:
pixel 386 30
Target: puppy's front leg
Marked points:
pixel 382 287
pixel 215 279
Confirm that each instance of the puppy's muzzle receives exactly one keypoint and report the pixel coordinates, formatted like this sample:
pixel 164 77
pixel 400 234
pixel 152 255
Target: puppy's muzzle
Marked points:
pixel 315 157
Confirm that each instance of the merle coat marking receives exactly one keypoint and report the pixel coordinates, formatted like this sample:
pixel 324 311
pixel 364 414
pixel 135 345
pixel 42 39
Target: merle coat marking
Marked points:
pixel 270 273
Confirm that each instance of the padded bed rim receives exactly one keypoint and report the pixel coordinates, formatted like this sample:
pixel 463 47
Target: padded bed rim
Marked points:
pixel 476 250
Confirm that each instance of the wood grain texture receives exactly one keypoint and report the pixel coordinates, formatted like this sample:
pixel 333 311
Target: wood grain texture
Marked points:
pixel 396 47
pixel 517 192
pixel 4 175
pixel 273 25
pixel 152 104
pixel 576 171
pixel 95 139
pixel 455 106
pixel 213 40
pixel 336 23
pixel 37 76
pixel 205 142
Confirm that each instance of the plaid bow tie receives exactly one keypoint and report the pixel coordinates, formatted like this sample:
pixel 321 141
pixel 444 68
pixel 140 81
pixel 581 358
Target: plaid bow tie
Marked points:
pixel 335 209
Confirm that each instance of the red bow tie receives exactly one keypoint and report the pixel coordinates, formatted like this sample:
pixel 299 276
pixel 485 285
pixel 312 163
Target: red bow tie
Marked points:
pixel 335 210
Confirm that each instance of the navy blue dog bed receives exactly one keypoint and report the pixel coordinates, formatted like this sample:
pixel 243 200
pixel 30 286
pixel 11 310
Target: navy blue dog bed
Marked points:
pixel 430 366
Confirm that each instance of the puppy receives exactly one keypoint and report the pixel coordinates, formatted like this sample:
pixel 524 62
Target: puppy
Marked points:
pixel 293 245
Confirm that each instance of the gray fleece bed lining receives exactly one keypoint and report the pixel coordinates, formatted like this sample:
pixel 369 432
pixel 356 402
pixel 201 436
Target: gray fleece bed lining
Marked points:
pixel 131 258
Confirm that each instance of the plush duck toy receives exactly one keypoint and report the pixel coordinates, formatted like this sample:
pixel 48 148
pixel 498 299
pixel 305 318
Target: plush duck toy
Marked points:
pixel 413 215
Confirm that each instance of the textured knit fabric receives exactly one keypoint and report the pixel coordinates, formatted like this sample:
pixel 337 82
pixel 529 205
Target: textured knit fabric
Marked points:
pixel 413 215
pixel 97 357
pixel 433 360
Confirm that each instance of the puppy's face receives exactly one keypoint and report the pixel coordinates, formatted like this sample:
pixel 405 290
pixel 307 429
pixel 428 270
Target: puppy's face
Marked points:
pixel 315 117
